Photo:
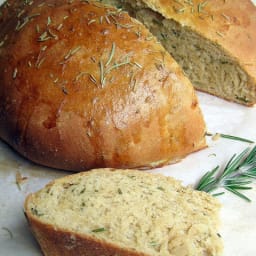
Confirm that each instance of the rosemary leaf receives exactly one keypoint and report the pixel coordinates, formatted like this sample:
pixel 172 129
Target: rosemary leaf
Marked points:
pixel 111 54
pixel 97 230
pixel 230 137
pixel 236 176
pixel 239 194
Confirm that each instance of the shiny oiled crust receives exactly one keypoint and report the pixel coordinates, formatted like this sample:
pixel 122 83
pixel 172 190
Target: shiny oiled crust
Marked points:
pixel 230 24
pixel 85 86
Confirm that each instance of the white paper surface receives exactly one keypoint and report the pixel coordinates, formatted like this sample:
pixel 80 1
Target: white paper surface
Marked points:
pixel 238 217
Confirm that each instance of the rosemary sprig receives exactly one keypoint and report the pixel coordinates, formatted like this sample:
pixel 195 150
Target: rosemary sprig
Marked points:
pixel 110 65
pixel 230 137
pixel 237 175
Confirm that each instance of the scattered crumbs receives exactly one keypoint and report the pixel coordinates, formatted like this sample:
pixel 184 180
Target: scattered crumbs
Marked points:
pixel 19 179
pixel 216 136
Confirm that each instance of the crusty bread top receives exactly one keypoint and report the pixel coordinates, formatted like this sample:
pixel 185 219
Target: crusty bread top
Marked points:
pixel 133 210
pixel 231 24
pixel 83 85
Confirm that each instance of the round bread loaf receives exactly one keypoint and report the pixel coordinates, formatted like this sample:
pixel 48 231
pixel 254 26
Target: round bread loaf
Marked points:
pixel 83 85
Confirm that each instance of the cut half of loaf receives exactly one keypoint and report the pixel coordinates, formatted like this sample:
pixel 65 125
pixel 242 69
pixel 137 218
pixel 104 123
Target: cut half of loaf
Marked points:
pixel 123 212
pixel 213 41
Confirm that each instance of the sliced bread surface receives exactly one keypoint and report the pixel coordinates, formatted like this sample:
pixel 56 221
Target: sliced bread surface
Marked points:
pixel 213 41
pixel 123 212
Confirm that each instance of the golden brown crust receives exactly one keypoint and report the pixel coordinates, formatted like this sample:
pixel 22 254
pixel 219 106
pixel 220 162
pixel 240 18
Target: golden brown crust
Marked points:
pixel 84 86
pixel 56 242
pixel 60 242
pixel 230 24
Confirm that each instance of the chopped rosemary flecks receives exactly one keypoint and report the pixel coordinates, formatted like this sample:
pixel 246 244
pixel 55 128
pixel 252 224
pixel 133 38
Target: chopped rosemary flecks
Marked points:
pixel 37 29
pixel 107 68
pixel 46 35
pixel 219 34
pixel 92 79
pixel 230 137
pixel 36 212
pixel 153 243
pixel 111 54
pixel 180 10
pixel 15 72
pixel 49 21
pixel 22 23
pixel 237 175
pixel 97 230
pixel 80 74
pixel 137 64
pixel 72 52
pixel 160 188
pixel 226 17
pixel 91 21
pixel 39 63
pixel 201 6
pixel 41 5
pixel 20 13
pixel 59 26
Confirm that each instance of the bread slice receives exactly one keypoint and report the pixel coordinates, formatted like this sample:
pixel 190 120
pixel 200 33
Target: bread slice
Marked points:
pixel 123 212
pixel 91 88
pixel 213 41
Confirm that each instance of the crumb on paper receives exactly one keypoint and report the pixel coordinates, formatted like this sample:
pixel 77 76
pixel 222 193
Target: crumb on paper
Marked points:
pixel 20 179
pixel 216 136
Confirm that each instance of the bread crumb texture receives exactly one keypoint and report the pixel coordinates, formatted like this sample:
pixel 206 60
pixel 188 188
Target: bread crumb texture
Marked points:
pixel 213 41
pixel 141 213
